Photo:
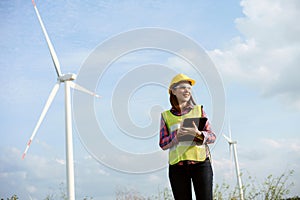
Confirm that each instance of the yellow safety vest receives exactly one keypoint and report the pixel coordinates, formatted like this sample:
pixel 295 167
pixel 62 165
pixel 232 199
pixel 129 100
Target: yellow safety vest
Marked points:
pixel 184 150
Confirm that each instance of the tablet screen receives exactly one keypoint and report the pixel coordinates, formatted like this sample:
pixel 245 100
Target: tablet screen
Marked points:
pixel 199 121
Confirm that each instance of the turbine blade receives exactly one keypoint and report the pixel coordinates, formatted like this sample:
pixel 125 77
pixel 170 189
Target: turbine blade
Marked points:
pixel 44 112
pixel 229 127
pixel 50 46
pixel 229 130
pixel 227 138
pixel 82 89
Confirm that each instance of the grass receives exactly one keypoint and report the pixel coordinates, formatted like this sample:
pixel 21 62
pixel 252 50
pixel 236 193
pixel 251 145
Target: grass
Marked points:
pixel 272 188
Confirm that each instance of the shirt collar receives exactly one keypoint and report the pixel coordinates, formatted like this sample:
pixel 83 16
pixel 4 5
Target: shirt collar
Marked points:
pixel 184 111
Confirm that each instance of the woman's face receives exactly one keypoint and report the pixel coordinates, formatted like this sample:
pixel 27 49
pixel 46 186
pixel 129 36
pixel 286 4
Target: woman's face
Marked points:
pixel 182 91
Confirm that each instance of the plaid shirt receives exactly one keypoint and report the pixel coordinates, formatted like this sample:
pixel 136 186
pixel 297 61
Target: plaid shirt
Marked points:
pixel 167 140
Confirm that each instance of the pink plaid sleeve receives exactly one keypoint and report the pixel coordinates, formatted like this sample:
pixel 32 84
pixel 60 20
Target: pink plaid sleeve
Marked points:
pixel 209 135
pixel 166 140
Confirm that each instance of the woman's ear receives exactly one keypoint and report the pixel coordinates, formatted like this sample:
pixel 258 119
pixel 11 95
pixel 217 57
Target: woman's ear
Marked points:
pixel 173 92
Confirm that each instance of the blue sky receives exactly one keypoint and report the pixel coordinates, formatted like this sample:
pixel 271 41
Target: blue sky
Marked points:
pixel 254 45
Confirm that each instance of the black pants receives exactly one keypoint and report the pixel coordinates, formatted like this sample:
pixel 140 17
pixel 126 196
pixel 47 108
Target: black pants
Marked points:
pixel 182 176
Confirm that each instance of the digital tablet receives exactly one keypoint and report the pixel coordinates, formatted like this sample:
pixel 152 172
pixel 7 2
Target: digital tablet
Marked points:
pixel 199 121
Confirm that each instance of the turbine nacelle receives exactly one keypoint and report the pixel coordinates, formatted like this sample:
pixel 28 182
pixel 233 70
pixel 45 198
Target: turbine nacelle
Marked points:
pixel 67 77
pixel 229 140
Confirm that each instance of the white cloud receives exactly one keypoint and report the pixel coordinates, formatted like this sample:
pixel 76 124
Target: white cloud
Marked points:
pixel 224 168
pixel 272 22
pixel 267 54
pixel 37 176
pixel 31 189
pixel 60 161
pixel 154 179
pixel 287 145
pixel 295 147
pixel 102 172
pixel 272 143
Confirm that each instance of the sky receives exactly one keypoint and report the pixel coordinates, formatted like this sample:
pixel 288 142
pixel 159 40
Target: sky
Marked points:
pixel 253 46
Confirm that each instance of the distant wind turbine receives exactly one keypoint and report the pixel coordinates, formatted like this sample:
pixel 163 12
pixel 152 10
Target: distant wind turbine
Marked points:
pixel 232 144
pixel 67 79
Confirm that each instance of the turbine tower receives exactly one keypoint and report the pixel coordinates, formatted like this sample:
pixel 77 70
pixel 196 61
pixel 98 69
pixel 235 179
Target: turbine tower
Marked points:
pixel 232 144
pixel 67 79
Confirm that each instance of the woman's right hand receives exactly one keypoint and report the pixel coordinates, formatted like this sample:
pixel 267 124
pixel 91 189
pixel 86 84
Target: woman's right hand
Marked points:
pixel 192 131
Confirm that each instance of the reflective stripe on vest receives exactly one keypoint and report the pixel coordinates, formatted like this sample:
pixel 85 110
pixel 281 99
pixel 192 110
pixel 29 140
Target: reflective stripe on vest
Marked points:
pixel 184 150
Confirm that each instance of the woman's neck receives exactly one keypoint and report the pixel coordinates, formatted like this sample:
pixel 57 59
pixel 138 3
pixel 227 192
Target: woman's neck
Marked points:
pixel 182 105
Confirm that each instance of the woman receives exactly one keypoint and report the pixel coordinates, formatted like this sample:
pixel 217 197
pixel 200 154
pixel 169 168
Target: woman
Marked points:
pixel 189 160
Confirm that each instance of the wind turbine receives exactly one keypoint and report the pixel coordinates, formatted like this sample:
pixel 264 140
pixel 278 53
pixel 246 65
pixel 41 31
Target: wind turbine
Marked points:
pixel 67 79
pixel 232 144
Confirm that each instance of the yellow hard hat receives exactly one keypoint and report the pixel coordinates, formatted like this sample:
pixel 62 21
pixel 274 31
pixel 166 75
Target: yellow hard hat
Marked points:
pixel 181 77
